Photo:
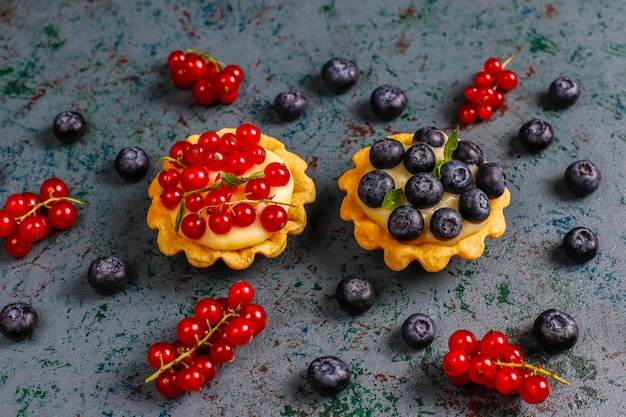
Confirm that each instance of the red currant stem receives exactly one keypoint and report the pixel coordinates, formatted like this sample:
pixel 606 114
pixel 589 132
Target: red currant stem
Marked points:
pixel 231 204
pixel 170 159
pixel 508 60
pixel 535 369
pixel 46 204
pixel 209 59
pixel 202 342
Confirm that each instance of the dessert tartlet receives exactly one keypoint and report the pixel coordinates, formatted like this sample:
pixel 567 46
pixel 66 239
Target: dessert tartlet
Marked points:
pixel 229 195
pixel 424 197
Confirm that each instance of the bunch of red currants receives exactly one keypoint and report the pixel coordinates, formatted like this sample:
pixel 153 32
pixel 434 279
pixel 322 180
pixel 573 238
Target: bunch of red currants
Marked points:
pixel 29 217
pixel 208 78
pixel 487 93
pixel 497 364
pixel 207 339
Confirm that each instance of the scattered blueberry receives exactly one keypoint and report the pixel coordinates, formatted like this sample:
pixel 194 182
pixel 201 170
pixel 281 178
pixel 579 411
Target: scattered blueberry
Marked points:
pixel 418 331
pixel 132 164
pixel 355 294
pixel 580 244
pixel 446 223
pixel 388 102
pixel 340 74
pixel 108 275
pixel 474 205
pixel 386 153
pixel 455 176
pixel 564 92
pixel 536 135
pixel 373 187
pixel 290 105
pixel 69 126
pixel 555 330
pixel 328 375
pixel 405 223
pixel 419 158
pixel 423 190
pixel 490 178
pixel 469 152
pixel 582 178
pixel 429 135
pixel 18 321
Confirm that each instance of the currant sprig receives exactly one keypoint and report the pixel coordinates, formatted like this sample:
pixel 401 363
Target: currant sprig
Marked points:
pixel 535 370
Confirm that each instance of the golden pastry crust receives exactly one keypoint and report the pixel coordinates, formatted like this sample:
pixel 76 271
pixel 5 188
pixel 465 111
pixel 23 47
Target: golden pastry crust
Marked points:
pixel 397 255
pixel 170 242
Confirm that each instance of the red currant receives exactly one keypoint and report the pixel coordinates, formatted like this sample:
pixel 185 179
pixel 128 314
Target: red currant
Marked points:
pixel 471 93
pixel 168 178
pixel 215 160
pixel 195 66
pixel 460 381
pixel 482 369
pixel 221 222
pixel 16 246
pixel 52 187
pixel 193 155
pixel 209 140
pixel 33 228
pixel 32 199
pixel 534 389
pixel 167 384
pixel 62 214
pixel 183 348
pixel 484 79
pixel 484 111
pixel 230 97
pixel 180 78
pixel 507 80
pixel 194 177
pixel 17 205
pixel 207 366
pixel 175 57
pixel 463 340
pixel 209 311
pixel 277 174
pixel 193 226
pixel 467 113
pixel 237 163
pixel 513 354
pixel 243 214
pixel 171 197
pixel 236 71
pixel 493 66
pixel 258 189
pixel 191 378
pixel 190 330
pixel 226 84
pixel 273 218
pixel 240 294
pixel 255 153
pixel 248 134
pixel 215 199
pixel 222 351
pixel 456 363
pixel 177 151
pixel 494 344
pixel 8 225
pixel 238 332
pixel 194 202
pixel 497 100
pixel 160 354
pixel 507 380
pixel 204 92
pixel 229 143
pixel 256 316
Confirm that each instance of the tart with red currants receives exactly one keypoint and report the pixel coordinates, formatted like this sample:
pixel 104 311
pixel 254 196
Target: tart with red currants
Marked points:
pixel 229 195
pixel 425 196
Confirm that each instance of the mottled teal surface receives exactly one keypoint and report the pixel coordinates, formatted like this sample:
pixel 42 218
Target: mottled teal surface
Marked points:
pixel 106 59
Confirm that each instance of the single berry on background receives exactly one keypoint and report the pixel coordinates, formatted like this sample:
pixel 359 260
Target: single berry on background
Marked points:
pixel 418 331
pixel 388 102
pixel 582 177
pixel 328 375
pixel 555 330
pixel 132 164
pixel 564 92
pixel 69 127
pixel 340 74
pixel 355 294
pixel 18 321
pixel 536 135
pixel 580 244
pixel 108 275
pixel 290 105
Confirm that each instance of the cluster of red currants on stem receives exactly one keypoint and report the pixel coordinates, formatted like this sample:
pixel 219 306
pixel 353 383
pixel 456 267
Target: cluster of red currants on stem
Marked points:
pixel 29 217
pixel 487 93
pixel 208 78
pixel 497 364
pixel 205 341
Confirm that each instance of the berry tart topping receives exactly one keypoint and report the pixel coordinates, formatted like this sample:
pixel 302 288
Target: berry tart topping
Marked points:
pixel 487 94
pixel 582 178
pixel 388 102
pixel 69 127
pixel 206 340
pixel 290 105
pixel 29 217
pixel 340 74
pixel 564 92
pixel 229 195
pixel 328 375
pixel 580 244
pixel 497 364
pixel 18 321
pixel 422 198
pixel 556 331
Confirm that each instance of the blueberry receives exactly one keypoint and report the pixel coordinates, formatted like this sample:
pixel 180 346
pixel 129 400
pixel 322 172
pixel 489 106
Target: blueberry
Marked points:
pixel 429 135
pixel 418 331
pixel 535 135
pixel 374 186
pixel 355 294
pixel 388 102
pixel 386 153
pixel 419 158
pixel 405 223
pixel 555 331
pixel 290 105
pixel 69 126
pixel 132 164
pixel 564 92
pixel 580 244
pixel 423 190
pixel 455 176
pixel 446 223
pixel 469 152
pixel 340 74
pixel 328 375
pixel 18 321
pixel 108 275
pixel 490 179
pixel 474 205
pixel 582 178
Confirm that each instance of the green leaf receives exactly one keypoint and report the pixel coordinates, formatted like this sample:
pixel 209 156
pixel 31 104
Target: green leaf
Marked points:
pixel 179 215
pixel 394 199
pixel 451 144
pixel 232 181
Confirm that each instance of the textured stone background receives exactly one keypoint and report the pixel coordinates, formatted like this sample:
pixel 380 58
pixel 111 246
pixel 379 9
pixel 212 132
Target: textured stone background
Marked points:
pixel 106 59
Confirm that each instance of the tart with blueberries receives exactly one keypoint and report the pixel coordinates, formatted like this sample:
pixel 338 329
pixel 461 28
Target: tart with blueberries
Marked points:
pixel 229 195
pixel 424 197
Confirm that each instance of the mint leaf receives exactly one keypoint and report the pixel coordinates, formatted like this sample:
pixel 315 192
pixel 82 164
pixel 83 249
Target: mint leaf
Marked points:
pixel 394 199
pixel 451 144
pixel 232 181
